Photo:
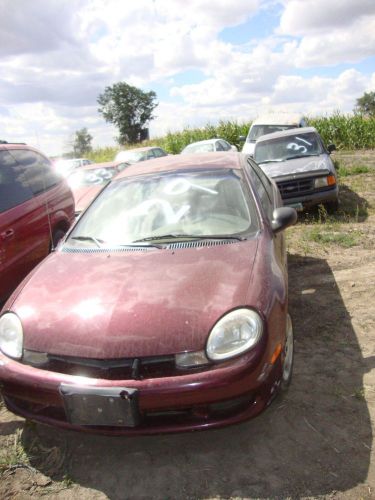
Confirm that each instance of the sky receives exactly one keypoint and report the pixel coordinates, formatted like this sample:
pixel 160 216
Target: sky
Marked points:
pixel 207 61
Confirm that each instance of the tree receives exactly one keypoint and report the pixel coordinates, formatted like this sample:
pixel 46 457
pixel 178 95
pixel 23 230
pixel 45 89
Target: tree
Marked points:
pixel 366 104
pixel 82 142
pixel 129 108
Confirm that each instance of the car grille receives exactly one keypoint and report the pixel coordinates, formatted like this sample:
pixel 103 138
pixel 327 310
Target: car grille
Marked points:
pixel 291 188
pixel 112 369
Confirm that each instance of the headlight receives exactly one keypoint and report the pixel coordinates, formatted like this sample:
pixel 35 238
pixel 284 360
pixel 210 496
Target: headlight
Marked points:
pixel 234 334
pixel 11 335
pixel 325 181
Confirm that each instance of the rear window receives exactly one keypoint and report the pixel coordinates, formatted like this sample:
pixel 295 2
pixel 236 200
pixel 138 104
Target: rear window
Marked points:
pixel 91 177
pixel 259 130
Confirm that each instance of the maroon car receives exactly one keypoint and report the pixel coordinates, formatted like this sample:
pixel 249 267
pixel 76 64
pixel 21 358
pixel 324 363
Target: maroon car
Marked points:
pixel 164 309
pixel 36 210
pixel 88 181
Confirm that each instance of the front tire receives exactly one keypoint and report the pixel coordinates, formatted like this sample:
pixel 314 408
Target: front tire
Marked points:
pixel 288 356
pixel 56 237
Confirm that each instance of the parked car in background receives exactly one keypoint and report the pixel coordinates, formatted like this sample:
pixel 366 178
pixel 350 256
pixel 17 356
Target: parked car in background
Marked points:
pixel 88 181
pixel 208 146
pixel 140 154
pixel 65 167
pixel 301 166
pixel 269 123
pixel 177 316
pixel 36 209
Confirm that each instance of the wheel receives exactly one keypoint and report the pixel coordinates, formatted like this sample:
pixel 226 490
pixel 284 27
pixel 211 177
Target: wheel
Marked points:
pixel 288 355
pixel 56 237
pixel 332 206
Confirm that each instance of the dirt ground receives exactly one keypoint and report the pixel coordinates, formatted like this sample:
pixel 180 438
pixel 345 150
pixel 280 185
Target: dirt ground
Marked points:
pixel 315 442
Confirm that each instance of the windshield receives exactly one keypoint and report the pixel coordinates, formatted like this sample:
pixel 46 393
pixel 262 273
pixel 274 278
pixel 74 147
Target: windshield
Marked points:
pixel 133 156
pixel 288 147
pixel 206 147
pixel 257 130
pixel 91 177
pixel 193 204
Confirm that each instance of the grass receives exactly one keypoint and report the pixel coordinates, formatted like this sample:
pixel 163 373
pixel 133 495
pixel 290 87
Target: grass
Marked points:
pixel 345 171
pixel 13 455
pixel 330 235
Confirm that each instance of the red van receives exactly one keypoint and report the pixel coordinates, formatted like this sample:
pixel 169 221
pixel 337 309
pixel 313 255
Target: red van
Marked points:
pixel 36 209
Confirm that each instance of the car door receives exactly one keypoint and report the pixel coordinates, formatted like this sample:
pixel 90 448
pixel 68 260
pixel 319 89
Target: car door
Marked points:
pixel 17 214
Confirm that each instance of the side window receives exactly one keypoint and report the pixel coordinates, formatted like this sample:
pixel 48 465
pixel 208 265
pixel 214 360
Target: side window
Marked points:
pixel 219 146
pixel 225 145
pixel 158 152
pixel 150 155
pixel 14 185
pixel 38 170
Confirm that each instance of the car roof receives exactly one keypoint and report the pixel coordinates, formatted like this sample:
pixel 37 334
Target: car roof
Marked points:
pixel 145 148
pixel 106 164
pixel 286 133
pixel 279 119
pixel 202 161
pixel 205 141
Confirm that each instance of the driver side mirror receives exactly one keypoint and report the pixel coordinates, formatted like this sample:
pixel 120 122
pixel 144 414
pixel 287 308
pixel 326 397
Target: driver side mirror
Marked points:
pixel 331 147
pixel 242 138
pixel 282 218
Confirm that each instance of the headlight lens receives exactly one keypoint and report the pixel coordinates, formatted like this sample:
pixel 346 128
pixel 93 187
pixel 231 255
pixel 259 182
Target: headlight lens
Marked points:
pixel 325 181
pixel 234 334
pixel 11 335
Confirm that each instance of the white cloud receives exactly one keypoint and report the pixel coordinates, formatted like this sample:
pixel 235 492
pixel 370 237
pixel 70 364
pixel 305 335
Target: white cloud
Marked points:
pixel 57 57
pixel 331 33
pixel 306 17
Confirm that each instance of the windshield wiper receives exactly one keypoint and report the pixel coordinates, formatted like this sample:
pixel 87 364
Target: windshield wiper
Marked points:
pixel 300 156
pixel 88 238
pixel 270 161
pixel 190 236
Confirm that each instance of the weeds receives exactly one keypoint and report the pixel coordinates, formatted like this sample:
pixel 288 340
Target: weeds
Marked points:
pixel 354 170
pixel 14 455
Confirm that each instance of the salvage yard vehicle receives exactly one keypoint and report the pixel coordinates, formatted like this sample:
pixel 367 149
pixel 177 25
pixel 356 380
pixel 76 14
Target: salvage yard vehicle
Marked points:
pixel 177 316
pixel 301 166
pixel 140 154
pixel 36 210
pixel 208 146
pixel 269 123
pixel 66 167
pixel 87 182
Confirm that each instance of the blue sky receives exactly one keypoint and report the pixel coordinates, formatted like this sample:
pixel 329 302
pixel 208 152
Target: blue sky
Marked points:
pixel 206 62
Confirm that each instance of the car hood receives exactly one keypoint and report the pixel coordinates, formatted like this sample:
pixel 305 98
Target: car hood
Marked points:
pixel 84 195
pixel 137 303
pixel 310 164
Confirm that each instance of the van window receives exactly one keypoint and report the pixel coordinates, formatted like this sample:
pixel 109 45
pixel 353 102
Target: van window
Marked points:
pixel 38 170
pixel 14 184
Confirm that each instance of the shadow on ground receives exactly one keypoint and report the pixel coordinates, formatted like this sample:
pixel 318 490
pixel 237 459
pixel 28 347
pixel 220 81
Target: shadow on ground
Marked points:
pixel 314 441
pixel 352 208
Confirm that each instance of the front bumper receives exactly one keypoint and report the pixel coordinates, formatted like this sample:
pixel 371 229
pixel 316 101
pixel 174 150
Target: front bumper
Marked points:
pixel 201 400
pixel 312 199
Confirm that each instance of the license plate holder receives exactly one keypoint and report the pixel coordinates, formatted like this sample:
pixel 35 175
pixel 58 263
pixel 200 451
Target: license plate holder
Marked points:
pixel 101 406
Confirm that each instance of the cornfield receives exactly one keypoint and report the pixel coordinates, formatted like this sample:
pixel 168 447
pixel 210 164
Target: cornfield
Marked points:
pixel 347 132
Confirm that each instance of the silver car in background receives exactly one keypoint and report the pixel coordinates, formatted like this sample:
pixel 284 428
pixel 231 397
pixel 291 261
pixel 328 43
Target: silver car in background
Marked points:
pixel 301 166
